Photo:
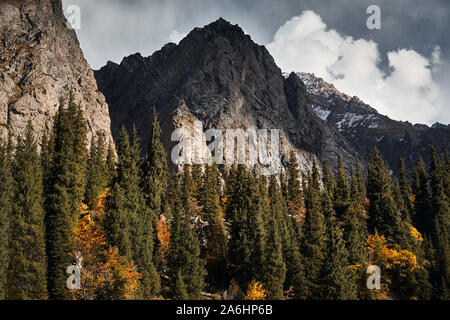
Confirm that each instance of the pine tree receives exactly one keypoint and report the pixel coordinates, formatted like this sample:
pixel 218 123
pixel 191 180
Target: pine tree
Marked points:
pixel 6 187
pixel 65 193
pixel 97 174
pixel 275 267
pixel 384 215
pixel 184 250
pixel 441 235
pixel 423 217
pixel 216 251
pixel 328 180
pixel 28 266
pixel 295 195
pixel 155 181
pixel 339 281
pixel 314 236
pixel 405 192
pixel 110 164
pixel 180 292
pixel 246 246
pixel 342 191
pixel 130 223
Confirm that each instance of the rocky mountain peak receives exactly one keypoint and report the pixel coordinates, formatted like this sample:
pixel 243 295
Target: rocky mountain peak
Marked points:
pixel 40 62
pixel 219 76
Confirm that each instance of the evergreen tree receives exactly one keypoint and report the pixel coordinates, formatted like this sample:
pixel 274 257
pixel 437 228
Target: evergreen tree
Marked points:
pixel 130 223
pixel 423 217
pixel 328 180
pixel 6 187
pixel 339 281
pixel 184 251
pixel 180 292
pixel 275 267
pixel 342 191
pixel 295 195
pixel 65 193
pixel 441 235
pixel 97 174
pixel 246 246
pixel 216 251
pixel 155 181
pixel 384 215
pixel 405 192
pixel 314 236
pixel 28 266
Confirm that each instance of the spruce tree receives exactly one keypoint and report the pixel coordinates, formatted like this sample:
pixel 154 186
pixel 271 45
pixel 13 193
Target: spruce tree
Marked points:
pixel 130 223
pixel 275 267
pixel 406 192
pixel 65 193
pixel 246 245
pixel 28 266
pixel 423 217
pixel 295 195
pixel 180 292
pixel 384 215
pixel 184 250
pixel 339 282
pixel 314 236
pixel 441 218
pixel 155 181
pixel 6 187
pixel 97 174
pixel 216 251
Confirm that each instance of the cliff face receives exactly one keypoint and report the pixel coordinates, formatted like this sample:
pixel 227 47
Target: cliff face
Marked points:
pixel 219 76
pixel 40 61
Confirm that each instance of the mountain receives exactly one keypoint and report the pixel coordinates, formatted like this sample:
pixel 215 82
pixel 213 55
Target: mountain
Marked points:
pixel 364 128
pixel 40 61
pixel 219 76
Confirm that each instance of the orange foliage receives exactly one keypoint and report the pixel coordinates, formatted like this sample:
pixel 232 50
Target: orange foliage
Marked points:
pixel 163 234
pixel 104 273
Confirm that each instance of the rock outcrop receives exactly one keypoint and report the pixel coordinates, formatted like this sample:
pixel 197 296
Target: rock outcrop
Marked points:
pixel 219 76
pixel 40 61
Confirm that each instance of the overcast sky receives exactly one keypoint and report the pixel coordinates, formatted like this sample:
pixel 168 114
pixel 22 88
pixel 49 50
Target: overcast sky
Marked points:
pixel 402 70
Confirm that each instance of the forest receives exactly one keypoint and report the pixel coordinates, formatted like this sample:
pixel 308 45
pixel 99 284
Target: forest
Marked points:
pixel 136 229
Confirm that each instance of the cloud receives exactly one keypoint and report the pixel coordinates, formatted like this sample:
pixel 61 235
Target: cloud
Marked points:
pixel 408 91
pixel 175 36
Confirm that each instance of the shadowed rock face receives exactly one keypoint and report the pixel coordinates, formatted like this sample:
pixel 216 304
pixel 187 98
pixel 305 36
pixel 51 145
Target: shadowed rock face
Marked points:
pixel 40 60
pixel 218 75
pixel 364 128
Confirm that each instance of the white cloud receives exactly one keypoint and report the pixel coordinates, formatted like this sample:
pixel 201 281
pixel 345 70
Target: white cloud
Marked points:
pixel 408 92
pixel 175 36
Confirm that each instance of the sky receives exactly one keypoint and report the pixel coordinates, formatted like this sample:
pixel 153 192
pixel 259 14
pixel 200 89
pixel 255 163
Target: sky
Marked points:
pixel 402 69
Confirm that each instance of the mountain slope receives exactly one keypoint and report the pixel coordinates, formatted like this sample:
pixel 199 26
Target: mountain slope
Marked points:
pixel 364 128
pixel 218 75
pixel 40 61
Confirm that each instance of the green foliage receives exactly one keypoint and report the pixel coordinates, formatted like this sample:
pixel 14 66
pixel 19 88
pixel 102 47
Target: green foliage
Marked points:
pixel 28 266
pixel 66 189
pixel 6 187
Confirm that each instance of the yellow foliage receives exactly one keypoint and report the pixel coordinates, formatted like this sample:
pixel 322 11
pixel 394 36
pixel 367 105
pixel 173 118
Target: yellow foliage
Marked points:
pixel 415 234
pixel 255 291
pixel 391 256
